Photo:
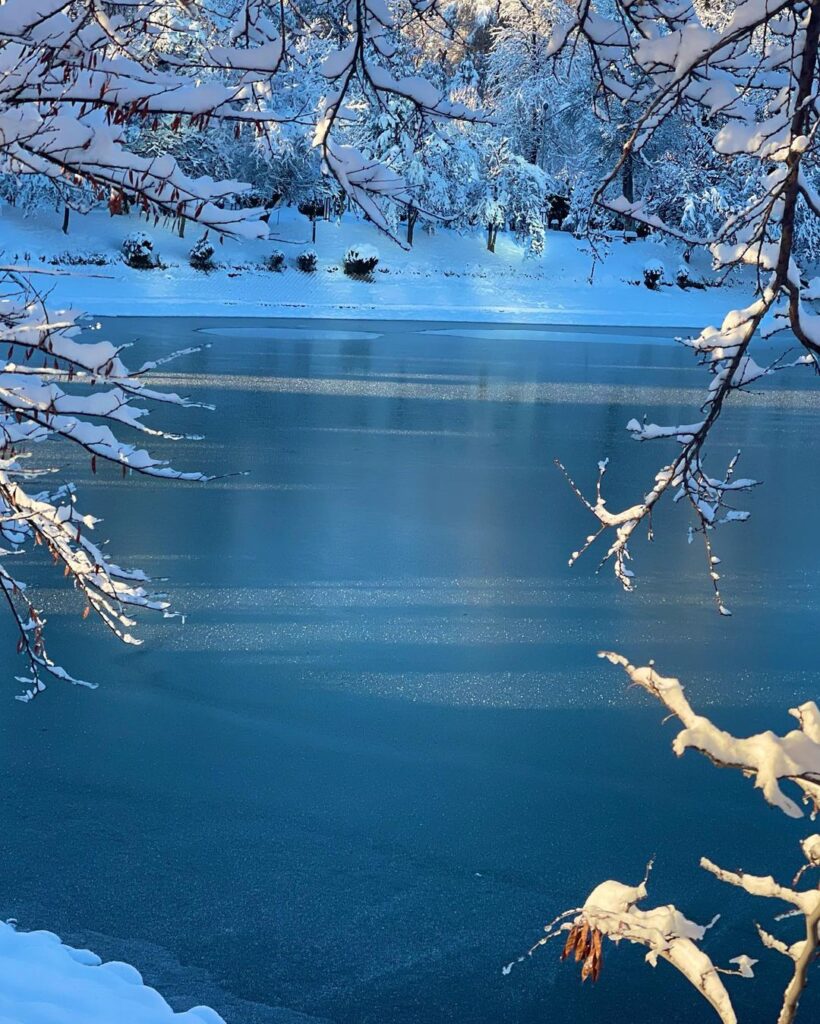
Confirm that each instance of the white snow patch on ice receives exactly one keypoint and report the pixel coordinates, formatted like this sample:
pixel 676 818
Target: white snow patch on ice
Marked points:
pixel 43 981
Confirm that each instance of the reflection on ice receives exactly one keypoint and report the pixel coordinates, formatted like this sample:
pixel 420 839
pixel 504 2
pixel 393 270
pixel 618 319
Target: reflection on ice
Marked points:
pixel 371 385
pixel 589 333
pixel 263 332
pixel 381 740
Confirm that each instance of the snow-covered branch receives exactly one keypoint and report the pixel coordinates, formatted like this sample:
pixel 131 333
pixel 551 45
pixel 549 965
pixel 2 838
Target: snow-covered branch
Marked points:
pixel 751 76
pixel 80 82
pixel 54 385
pixel 766 757
pixel 611 910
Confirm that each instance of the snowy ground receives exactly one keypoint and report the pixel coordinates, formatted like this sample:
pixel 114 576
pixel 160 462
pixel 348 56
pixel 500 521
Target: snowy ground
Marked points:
pixel 43 981
pixel 446 276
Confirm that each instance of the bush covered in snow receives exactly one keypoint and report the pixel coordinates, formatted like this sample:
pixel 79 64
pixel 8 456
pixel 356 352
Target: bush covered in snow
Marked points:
pixel 653 271
pixel 201 255
pixel 138 251
pixel 558 207
pixel 361 260
pixel 79 258
pixel 537 236
pixel 313 207
pixel 307 261
pixel 275 260
pixel 686 277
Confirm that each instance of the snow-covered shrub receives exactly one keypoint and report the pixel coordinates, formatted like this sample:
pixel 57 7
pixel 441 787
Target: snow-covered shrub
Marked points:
pixel 275 260
pixel 686 277
pixel 201 256
pixel 558 208
pixel 653 274
pixel 255 196
pixel 361 260
pixel 537 236
pixel 312 208
pixel 80 258
pixel 307 261
pixel 138 251
pixel 704 212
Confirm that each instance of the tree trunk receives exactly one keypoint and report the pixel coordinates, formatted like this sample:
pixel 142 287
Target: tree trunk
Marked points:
pixel 412 216
pixel 181 227
pixel 628 188
pixel 628 185
pixel 313 229
pixel 791 191
pixel 492 233
pixel 66 214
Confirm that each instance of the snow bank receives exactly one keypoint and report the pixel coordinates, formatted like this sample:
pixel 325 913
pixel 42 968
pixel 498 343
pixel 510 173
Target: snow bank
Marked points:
pixel 445 276
pixel 43 981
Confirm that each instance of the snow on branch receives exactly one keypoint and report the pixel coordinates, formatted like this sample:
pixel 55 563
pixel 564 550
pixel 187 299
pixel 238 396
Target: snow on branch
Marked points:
pixel 766 757
pixel 612 911
pixel 770 760
pixel 79 81
pixel 805 901
pixel 359 75
pixel 752 75
pixel 55 386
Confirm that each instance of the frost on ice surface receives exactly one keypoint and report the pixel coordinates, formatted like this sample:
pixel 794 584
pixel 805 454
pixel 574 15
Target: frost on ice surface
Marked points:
pixel 43 981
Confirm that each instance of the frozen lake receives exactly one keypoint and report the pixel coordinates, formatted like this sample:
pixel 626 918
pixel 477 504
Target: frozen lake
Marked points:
pixel 380 752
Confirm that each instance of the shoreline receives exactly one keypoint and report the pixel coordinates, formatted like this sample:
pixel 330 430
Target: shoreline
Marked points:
pixel 589 322
pixel 447 277
pixel 518 318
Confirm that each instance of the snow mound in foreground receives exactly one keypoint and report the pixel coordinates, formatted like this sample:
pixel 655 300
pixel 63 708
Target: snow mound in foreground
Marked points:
pixel 43 981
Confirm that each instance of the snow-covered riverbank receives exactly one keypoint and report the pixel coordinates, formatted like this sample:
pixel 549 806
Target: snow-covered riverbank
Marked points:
pixel 445 276
pixel 44 981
